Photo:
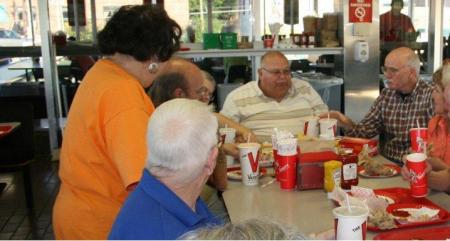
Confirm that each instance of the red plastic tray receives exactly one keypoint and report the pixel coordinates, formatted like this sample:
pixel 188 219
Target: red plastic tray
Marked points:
pixel 434 233
pixel 403 195
pixel 5 130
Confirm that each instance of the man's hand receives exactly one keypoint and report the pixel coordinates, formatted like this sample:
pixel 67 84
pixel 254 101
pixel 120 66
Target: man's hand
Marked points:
pixel 405 172
pixel 243 134
pixel 230 149
pixel 342 119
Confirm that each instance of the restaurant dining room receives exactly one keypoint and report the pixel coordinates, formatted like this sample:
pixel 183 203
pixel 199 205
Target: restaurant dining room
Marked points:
pixel 225 119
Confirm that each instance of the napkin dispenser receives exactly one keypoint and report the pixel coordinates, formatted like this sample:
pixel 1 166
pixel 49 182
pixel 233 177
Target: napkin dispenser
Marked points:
pixel 357 145
pixel 310 171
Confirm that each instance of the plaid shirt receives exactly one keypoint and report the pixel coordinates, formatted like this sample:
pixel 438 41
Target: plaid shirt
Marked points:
pixel 392 115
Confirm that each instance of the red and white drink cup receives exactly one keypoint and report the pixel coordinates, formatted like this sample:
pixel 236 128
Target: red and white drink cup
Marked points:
pixel 287 170
pixel 418 138
pixel 310 126
pixel 350 223
pixel 275 154
pixel 228 135
pixel 416 165
pixel 249 158
pixel 328 128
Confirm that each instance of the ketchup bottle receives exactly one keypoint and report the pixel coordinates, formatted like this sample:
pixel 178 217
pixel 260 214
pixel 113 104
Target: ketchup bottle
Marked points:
pixel 349 171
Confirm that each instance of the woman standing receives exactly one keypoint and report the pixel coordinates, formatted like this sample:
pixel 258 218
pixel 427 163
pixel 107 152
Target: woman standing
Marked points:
pixel 104 148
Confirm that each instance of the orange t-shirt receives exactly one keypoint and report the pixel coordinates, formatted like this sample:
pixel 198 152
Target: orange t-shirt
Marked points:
pixel 103 151
pixel 439 138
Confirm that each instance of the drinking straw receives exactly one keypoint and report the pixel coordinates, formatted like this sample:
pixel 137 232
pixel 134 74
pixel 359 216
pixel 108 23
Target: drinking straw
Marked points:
pixel 328 116
pixel 248 138
pixel 348 202
pixel 226 126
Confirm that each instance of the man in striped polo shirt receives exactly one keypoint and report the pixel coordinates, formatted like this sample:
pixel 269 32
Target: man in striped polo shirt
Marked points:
pixel 275 100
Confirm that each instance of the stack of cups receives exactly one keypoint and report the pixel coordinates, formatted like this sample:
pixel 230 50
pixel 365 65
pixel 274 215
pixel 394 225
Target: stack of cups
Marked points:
pixel 287 161
pixel 227 135
pixel 418 138
pixel 328 128
pixel 350 223
pixel 416 165
pixel 249 158
pixel 310 126
pixel 276 137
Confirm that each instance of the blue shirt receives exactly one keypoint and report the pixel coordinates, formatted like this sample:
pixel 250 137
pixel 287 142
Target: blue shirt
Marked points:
pixel 153 211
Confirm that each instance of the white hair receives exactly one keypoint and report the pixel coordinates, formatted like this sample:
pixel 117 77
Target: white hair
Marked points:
pixel 413 61
pixel 180 135
pixel 251 229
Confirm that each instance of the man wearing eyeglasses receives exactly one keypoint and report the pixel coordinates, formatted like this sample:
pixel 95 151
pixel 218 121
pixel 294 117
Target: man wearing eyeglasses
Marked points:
pixel 275 100
pixel 405 103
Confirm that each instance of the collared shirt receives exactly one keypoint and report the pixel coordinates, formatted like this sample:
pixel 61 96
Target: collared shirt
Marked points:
pixel 249 106
pixel 153 211
pixel 393 115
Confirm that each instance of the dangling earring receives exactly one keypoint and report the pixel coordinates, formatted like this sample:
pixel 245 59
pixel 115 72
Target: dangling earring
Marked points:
pixel 153 68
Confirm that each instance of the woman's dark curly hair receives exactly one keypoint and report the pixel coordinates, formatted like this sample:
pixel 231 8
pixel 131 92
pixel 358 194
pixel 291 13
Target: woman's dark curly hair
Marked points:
pixel 142 31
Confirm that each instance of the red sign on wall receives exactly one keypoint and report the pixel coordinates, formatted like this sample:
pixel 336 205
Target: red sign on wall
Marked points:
pixel 360 11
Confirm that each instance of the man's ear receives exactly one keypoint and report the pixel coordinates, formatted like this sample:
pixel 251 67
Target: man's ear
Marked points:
pixel 259 73
pixel 179 93
pixel 211 161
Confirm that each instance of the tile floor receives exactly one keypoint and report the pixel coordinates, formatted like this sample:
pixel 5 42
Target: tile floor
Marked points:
pixel 15 220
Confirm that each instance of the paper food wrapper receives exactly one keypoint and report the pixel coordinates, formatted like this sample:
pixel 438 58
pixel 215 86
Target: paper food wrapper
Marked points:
pixel 360 196
pixel 316 146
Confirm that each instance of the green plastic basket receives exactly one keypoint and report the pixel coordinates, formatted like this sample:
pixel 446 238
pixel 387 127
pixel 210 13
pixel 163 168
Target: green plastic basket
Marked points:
pixel 229 40
pixel 211 41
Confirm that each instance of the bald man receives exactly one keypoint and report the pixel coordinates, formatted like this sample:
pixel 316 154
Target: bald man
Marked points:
pixel 274 100
pixel 406 101
pixel 180 78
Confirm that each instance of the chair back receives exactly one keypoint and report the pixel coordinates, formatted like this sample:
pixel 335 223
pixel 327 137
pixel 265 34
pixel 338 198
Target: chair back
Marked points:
pixel 222 92
pixel 19 145
pixel 237 73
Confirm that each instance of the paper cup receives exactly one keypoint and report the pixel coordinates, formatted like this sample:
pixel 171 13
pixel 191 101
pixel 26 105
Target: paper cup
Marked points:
pixel 249 157
pixel 416 165
pixel 276 163
pixel 268 43
pixel 418 139
pixel 287 171
pixel 227 135
pixel 328 127
pixel 287 163
pixel 350 225
pixel 310 126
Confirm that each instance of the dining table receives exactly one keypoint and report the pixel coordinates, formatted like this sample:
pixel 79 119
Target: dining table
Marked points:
pixel 7 128
pixel 307 211
pixel 30 65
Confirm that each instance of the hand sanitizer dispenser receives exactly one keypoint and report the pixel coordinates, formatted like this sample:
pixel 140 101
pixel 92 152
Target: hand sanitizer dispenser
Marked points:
pixel 361 51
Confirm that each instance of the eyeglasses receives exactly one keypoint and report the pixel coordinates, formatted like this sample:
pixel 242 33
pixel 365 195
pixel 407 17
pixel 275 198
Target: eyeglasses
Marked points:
pixel 204 92
pixel 278 72
pixel 391 70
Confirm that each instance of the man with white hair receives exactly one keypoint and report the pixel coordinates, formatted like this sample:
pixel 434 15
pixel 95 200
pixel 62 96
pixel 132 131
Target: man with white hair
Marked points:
pixel 181 139
pixel 405 103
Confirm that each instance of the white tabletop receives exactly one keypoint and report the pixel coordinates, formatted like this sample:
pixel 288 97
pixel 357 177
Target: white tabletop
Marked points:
pixel 308 211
